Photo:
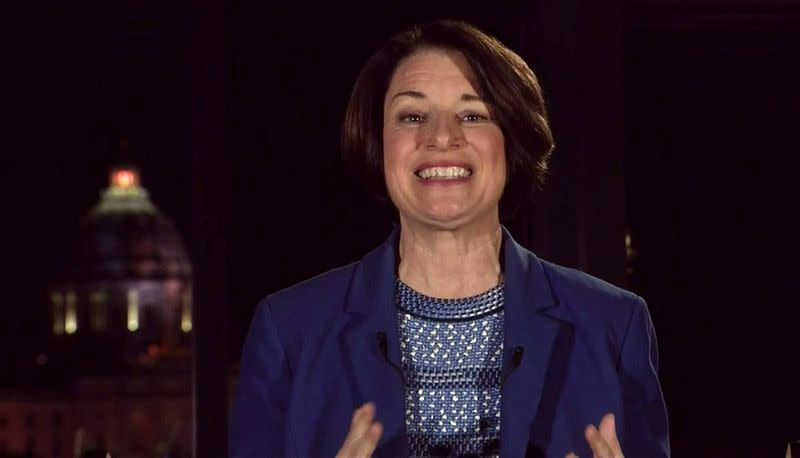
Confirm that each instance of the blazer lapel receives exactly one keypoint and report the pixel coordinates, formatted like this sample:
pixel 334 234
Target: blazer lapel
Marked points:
pixel 370 308
pixel 531 321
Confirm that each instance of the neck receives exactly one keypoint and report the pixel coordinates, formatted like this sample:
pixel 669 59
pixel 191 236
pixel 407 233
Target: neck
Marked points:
pixel 450 263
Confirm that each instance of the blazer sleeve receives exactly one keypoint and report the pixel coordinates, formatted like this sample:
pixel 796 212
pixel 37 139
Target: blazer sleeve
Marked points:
pixel 646 431
pixel 261 401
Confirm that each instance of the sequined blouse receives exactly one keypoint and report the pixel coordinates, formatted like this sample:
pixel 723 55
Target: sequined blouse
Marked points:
pixel 451 359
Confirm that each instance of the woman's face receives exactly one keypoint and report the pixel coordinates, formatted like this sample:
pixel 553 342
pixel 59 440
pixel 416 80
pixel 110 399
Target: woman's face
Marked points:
pixel 444 155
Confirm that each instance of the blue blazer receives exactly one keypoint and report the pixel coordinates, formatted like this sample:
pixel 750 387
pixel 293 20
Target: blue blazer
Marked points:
pixel 311 357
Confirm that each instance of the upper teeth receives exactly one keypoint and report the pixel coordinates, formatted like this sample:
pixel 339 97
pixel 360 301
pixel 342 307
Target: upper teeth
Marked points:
pixel 444 172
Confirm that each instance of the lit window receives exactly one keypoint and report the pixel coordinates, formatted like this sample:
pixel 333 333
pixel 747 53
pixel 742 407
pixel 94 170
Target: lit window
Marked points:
pixel 99 311
pixel 186 312
pixel 58 312
pixel 133 309
pixel 630 251
pixel 71 317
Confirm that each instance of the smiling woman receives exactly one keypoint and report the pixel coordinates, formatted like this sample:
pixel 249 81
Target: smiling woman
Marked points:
pixel 495 82
pixel 444 155
pixel 449 339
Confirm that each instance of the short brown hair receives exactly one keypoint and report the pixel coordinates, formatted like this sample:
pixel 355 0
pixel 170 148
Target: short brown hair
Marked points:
pixel 505 80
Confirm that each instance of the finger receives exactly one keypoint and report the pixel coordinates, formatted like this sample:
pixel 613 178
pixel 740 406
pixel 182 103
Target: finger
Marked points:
pixel 362 419
pixel 571 455
pixel 608 431
pixel 366 445
pixel 599 447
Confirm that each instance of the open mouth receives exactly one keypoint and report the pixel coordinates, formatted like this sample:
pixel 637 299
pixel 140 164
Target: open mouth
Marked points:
pixel 443 173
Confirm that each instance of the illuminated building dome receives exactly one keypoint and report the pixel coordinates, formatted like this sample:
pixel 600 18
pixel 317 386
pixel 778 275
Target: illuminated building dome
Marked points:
pixel 125 296
pixel 126 237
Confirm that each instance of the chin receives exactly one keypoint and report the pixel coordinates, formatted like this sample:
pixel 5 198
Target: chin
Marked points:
pixel 448 216
pixel 450 219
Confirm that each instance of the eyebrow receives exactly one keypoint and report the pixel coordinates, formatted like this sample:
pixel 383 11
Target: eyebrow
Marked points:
pixel 412 94
pixel 471 98
pixel 420 95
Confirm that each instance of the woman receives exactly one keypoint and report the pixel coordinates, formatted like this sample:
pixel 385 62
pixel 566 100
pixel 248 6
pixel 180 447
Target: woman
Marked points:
pixel 449 339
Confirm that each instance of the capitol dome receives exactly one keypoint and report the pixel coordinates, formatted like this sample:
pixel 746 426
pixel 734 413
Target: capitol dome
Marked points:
pixel 126 288
pixel 126 237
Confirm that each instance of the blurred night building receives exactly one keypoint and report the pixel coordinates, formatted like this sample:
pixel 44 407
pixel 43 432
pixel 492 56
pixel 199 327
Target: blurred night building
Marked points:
pixel 117 372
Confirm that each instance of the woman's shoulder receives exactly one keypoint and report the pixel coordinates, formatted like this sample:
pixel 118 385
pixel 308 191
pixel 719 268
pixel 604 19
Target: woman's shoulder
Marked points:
pixel 596 307
pixel 565 286
pixel 580 283
pixel 590 297
pixel 325 287
pixel 307 307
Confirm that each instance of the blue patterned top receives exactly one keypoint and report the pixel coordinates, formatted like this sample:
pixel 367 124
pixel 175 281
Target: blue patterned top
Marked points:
pixel 451 358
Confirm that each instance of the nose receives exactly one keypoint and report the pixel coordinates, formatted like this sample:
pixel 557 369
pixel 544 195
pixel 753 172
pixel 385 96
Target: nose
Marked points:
pixel 445 134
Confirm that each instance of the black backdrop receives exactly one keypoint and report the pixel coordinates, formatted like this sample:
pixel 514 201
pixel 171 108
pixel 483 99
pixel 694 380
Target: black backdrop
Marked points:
pixel 711 107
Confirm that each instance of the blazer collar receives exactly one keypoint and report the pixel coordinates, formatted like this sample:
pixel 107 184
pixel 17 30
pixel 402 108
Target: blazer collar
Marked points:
pixel 372 286
pixel 532 321
pixel 370 304
pixel 375 277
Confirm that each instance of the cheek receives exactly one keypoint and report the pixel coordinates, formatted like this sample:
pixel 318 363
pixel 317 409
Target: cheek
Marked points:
pixel 398 145
pixel 490 145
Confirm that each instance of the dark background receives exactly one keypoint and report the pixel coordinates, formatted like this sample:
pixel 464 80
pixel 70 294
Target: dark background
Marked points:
pixel 678 121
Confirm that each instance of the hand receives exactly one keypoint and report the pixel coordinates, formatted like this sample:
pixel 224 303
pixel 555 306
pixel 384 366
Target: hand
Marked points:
pixel 604 442
pixel 364 434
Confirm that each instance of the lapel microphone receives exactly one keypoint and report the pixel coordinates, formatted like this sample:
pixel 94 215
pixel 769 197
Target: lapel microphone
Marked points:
pixel 516 360
pixel 384 347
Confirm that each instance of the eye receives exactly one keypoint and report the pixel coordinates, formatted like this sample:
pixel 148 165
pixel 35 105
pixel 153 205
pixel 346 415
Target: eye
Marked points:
pixel 474 117
pixel 412 118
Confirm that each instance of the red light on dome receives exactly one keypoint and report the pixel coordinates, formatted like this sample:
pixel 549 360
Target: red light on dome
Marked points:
pixel 124 178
